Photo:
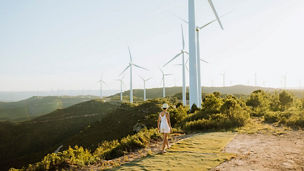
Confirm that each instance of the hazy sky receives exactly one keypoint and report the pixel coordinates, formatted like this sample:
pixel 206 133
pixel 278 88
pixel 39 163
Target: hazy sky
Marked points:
pixel 68 44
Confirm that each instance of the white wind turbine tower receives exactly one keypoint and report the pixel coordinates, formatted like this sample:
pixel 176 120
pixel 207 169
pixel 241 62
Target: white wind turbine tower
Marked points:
pixel 145 80
pixel 131 64
pixel 181 53
pixel 163 81
pixel 121 83
pixel 101 82
pixel 199 59
pixel 193 64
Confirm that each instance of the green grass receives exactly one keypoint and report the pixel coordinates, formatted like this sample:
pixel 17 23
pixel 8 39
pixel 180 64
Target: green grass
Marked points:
pixel 199 152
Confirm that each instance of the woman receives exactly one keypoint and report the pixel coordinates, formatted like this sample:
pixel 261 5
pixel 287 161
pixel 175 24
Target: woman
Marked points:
pixel 164 125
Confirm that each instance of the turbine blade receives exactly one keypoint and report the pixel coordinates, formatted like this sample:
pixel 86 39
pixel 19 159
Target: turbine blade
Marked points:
pixel 187 68
pixel 149 79
pixel 124 70
pixel 215 13
pixel 186 52
pixel 140 67
pixel 182 19
pixel 183 37
pixel 187 61
pixel 172 59
pixel 130 54
pixel 204 60
pixel 161 70
pixel 141 77
pixel 214 20
pixel 207 24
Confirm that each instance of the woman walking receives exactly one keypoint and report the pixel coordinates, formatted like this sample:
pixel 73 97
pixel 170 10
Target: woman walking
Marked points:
pixel 164 125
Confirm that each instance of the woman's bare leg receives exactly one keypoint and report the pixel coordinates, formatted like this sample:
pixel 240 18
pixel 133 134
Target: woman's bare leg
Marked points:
pixel 167 142
pixel 164 142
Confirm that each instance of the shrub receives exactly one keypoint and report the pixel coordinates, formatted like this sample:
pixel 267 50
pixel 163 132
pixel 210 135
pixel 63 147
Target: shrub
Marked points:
pixel 193 108
pixel 286 100
pixel 259 103
pixel 233 113
pixel 212 103
pixel 79 156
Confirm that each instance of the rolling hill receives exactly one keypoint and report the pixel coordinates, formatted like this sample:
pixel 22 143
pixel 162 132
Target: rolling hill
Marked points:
pixel 172 91
pixel 26 142
pixel 37 106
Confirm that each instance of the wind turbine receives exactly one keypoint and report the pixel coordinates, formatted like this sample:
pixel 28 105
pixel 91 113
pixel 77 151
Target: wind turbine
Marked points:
pixel 224 78
pixel 145 80
pixel 193 63
pixel 101 82
pixel 181 53
pixel 163 80
pixel 131 64
pixel 198 28
pixel 121 83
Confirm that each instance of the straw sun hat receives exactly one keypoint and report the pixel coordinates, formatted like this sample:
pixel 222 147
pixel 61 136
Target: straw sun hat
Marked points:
pixel 165 106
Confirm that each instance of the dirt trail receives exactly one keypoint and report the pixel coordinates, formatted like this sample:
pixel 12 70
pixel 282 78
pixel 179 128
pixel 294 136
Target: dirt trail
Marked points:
pixel 266 152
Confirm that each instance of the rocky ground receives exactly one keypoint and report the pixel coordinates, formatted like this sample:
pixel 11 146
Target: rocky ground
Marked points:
pixel 266 152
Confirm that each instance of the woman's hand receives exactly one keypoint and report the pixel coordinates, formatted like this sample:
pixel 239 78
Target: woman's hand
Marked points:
pixel 171 130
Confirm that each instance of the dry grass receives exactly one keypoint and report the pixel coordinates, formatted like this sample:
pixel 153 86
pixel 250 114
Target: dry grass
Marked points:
pixel 201 151
pixel 256 126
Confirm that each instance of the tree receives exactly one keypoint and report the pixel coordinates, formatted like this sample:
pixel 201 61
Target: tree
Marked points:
pixel 286 100
pixel 259 102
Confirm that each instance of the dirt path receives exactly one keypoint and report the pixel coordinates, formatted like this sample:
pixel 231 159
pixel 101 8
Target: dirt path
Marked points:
pixel 266 152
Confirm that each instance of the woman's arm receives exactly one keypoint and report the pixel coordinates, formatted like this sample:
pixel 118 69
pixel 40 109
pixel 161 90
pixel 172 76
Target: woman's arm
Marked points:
pixel 168 119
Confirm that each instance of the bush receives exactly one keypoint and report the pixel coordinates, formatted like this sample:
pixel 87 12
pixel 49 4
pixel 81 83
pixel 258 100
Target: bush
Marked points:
pixel 259 103
pixel 107 150
pixel 212 103
pixel 233 113
pixel 292 118
pixel 193 108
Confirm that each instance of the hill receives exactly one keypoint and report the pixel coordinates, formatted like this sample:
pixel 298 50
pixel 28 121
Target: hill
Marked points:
pixel 237 90
pixel 27 142
pixel 37 106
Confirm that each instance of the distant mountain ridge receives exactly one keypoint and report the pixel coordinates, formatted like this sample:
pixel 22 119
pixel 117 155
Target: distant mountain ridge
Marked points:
pixel 13 96
pixel 37 106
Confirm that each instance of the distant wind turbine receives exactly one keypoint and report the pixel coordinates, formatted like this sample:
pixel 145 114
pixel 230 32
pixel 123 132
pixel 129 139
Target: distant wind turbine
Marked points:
pixel 163 81
pixel 181 53
pixel 131 64
pixel 224 78
pixel 101 82
pixel 145 80
pixel 121 83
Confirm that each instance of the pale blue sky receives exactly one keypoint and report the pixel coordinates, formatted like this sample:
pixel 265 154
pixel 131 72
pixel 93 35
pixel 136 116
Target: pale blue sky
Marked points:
pixel 67 44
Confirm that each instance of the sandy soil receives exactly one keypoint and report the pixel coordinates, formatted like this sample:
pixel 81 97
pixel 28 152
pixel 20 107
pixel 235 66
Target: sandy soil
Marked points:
pixel 266 152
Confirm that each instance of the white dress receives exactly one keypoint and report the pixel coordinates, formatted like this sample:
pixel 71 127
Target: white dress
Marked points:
pixel 164 126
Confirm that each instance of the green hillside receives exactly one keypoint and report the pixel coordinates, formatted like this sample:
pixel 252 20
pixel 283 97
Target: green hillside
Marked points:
pixel 29 141
pixel 37 106
pixel 237 90
pixel 118 123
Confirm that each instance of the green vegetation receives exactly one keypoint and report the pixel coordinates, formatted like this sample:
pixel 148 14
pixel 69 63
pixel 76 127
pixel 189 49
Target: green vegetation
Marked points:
pixel 37 106
pixel 218 113
pixel 28 142
pixel 114 132
pixel 107 150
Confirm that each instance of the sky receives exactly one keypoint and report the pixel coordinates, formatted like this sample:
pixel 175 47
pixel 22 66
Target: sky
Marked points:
pixel 71 44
